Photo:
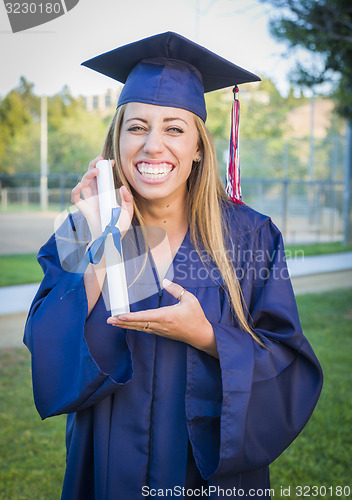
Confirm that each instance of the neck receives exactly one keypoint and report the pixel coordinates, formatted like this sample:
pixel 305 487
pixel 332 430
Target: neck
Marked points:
pixel 170 214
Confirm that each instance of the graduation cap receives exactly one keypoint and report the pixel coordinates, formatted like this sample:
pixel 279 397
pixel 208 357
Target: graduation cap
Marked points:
pixel 170 70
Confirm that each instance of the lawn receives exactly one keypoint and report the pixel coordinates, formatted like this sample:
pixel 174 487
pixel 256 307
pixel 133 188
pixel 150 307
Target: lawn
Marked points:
pixel 19 269
pixel 32 452
pixel 317 249
pixel 321 455
pixel 33 455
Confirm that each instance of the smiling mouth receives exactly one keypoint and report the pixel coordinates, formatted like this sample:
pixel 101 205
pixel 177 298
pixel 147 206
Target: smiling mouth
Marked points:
pixel 154 171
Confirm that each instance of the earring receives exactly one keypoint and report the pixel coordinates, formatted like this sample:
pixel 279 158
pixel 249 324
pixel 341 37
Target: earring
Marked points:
pixel 199 159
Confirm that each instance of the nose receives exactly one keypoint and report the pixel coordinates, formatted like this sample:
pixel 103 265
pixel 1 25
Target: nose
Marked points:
pixel 154 143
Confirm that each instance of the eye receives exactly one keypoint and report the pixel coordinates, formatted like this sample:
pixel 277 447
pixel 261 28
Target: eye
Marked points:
pixel 175 130
pixel 136 128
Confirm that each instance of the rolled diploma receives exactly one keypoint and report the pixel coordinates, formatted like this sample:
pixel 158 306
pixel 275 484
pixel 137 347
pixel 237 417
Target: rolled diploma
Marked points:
pixel 115 268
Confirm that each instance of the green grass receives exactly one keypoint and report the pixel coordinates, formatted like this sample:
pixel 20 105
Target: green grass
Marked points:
pixel 321 455
pixel 33 456
pixel 30 207
pixel 317 249
pixel 19 269
pixel 32 453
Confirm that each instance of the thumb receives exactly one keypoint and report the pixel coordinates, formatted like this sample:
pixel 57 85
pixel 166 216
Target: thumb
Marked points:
pixel 126 196
pixel 126 200
pixel 173 288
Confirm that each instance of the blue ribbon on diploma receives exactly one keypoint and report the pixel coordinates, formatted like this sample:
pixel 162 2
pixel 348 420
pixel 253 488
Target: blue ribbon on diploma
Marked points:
pixel 96 250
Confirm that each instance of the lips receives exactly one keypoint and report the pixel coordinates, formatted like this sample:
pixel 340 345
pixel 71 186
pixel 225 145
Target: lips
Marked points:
pixel 154 170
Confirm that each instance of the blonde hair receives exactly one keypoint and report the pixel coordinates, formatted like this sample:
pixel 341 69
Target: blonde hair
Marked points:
pixel 206 193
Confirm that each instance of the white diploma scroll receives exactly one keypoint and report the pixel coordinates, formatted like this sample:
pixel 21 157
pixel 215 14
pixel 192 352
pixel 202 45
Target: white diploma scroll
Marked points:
pixel 115 268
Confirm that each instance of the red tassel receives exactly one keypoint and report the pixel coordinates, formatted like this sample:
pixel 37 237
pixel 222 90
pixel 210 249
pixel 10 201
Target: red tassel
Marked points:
pixel 233 176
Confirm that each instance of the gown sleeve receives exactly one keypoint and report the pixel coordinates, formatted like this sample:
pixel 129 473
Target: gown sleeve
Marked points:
pixel 66 376
pixel 244 410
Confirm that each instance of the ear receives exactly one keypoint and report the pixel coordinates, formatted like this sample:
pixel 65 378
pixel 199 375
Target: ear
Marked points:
pixel 197 156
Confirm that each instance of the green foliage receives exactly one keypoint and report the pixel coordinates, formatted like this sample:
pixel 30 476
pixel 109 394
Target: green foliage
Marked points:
pixel 61 106
pixel 13 118
pixel 76 142
pixel 23 151
pixel 75 136
pixel 219 107
pixel 19 115
pixel 30 101
pixel 323 27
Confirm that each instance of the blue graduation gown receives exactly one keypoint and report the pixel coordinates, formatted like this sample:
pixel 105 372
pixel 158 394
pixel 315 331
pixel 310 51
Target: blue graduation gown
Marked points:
pixel 154 413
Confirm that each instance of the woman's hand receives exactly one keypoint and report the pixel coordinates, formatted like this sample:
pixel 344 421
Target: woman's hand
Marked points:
pixel 126 215
pixel 184 321
pixel 85 198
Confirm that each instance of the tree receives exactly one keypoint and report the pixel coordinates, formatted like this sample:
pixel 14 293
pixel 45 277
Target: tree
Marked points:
pixel 79 139
pixel 13 118
pixel 31 102
pixel 61 106
pixel 18 109
pixel 323 27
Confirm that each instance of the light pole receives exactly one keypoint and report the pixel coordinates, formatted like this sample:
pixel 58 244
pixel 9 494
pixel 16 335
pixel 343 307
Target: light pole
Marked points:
pixel 348 187
pixel 44 153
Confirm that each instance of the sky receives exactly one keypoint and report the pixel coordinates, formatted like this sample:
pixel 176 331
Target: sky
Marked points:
pixel 50 55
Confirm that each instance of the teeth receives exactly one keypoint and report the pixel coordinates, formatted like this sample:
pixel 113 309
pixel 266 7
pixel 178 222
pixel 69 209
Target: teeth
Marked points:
pixel 154 171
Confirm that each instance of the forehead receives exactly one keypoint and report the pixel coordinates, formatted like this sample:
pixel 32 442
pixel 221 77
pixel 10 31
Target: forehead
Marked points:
pixel 153 111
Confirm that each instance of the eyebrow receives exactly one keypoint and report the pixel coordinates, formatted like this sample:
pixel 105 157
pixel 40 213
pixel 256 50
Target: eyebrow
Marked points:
pixel 172 119
pixel 166 120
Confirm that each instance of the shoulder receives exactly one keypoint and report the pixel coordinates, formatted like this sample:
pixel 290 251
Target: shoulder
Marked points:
pixel 246 228
pixel 66 247
pixel 242 218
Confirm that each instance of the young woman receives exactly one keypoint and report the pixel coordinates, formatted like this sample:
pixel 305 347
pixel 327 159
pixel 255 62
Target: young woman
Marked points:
pixel 209 377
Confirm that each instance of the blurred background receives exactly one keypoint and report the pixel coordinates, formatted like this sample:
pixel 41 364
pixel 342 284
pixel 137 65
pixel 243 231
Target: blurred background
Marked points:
pixel 296 166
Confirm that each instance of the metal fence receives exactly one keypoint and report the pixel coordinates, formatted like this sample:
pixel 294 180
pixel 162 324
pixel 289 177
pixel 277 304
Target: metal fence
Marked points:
pixel 305 211
pixel 23 191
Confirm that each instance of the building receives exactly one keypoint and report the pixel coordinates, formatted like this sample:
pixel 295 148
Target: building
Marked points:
pixel 104 102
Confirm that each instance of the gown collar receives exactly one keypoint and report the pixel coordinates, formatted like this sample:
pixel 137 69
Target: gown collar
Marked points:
pixel 186 268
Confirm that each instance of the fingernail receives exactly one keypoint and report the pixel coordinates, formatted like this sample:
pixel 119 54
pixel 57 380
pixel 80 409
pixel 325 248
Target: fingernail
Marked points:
pixel 166 282
pixel 122 318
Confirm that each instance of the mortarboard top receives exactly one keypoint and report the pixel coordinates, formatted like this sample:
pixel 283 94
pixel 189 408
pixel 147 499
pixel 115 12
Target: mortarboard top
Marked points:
pixel 169 70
